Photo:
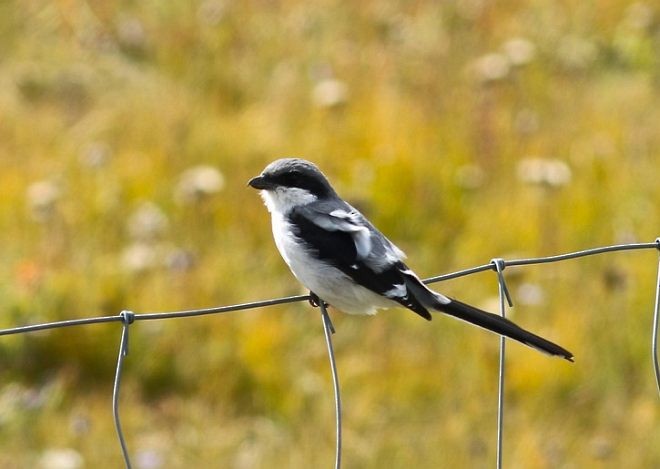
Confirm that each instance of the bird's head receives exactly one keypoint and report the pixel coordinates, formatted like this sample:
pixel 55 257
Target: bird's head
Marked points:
pixel 291 182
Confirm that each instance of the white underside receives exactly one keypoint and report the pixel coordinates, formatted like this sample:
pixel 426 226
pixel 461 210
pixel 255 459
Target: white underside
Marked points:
pixel 329 283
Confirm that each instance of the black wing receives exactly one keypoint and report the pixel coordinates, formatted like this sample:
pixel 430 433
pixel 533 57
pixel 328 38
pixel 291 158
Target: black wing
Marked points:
pixel 336 244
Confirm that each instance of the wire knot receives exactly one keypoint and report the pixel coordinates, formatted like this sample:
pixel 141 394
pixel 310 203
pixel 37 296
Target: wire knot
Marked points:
pixel 498 266
pixel 127 317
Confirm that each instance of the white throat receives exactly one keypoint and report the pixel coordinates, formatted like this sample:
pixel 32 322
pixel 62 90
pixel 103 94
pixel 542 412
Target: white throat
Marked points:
pixel 283 199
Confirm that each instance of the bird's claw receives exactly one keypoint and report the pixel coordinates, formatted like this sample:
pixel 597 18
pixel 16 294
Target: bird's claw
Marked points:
pixel 314 299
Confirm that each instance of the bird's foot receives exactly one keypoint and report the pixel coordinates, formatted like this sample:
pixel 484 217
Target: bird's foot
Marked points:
pixel 314 299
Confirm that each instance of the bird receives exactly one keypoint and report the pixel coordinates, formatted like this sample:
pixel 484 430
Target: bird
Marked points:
pixel 344 261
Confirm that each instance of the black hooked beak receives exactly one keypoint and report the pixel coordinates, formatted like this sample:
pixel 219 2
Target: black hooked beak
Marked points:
pixel 260 182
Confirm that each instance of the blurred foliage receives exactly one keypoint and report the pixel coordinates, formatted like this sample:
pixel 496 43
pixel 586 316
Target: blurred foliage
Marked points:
pixel 465 129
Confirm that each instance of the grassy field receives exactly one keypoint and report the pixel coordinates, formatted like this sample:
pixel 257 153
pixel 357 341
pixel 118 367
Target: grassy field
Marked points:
pixel 466 130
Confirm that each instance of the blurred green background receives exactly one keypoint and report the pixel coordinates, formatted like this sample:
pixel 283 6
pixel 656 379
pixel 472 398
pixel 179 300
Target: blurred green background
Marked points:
pixel 466 130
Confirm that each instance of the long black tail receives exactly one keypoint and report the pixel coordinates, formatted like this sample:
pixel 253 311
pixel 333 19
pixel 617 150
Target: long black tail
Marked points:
pixel 427 298
pixel 502 326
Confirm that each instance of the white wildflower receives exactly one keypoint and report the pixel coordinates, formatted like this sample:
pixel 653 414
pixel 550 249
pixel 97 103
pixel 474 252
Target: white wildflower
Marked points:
pixel 61 458
pixel 329 93
pixel 197 183
pixel 42 198
pixel 139 257
pixel 147 222
pixel 530 294
pixel 149 459
pixel 95 155
pixel 520 51
pixel 550 172
pixel 491 67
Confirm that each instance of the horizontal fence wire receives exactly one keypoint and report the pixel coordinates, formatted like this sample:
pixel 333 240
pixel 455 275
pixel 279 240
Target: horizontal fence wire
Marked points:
pixel 497 265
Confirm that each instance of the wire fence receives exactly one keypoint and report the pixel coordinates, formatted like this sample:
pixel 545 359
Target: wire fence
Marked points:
pixel 498 265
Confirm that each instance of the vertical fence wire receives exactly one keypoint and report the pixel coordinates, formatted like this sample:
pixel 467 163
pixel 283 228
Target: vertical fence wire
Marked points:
pixel 328 330
pixel 654 336
pixel 498 265
pixel 128 317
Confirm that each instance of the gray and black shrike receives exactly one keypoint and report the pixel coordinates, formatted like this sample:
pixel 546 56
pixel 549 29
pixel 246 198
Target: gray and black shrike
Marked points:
pixel 335 252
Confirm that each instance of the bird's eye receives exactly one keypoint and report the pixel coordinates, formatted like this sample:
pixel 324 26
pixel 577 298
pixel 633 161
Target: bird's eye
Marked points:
pixel 293 179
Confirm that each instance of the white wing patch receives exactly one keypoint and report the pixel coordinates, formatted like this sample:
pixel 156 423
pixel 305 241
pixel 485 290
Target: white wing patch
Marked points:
pixel 397 291
pixel 339 213
pixel 348 222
